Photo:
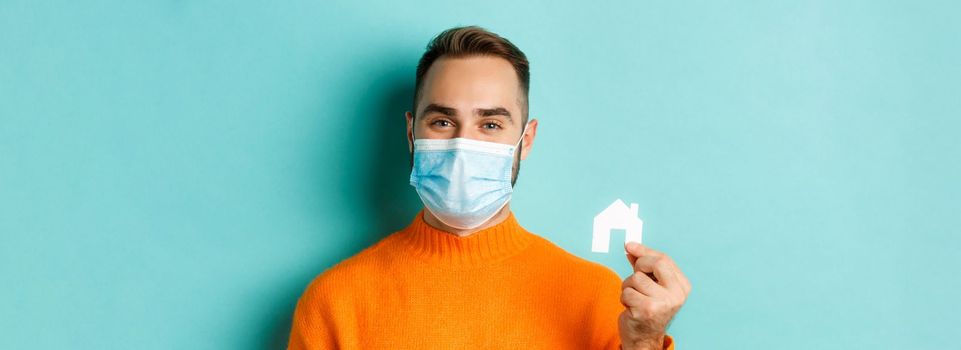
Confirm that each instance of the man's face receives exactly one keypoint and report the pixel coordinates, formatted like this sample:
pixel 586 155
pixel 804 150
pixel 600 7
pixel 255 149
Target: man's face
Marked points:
pixel 475 97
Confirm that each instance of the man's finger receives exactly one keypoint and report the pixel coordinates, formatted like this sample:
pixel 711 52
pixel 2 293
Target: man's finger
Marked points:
pixel 663 269
pixel 637 250
pixel 633 250
pixel 630 297
pixel 643 283
pixel 630 258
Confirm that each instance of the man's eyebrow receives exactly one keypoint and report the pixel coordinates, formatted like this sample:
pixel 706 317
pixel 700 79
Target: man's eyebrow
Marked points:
pixel 433 107
pixel 487 112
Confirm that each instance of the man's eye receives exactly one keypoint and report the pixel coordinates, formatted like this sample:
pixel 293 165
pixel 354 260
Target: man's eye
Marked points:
pixel 441 123
pixel 491 126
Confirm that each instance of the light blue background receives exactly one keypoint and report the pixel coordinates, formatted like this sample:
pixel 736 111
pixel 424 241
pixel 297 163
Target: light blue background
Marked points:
pixel 173 173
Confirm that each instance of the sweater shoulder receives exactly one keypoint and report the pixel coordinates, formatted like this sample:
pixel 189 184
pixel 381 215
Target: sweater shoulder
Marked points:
pixel 355 270
pixel 578 266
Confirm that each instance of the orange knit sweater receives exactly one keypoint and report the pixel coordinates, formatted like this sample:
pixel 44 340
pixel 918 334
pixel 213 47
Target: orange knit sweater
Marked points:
pixel 499 288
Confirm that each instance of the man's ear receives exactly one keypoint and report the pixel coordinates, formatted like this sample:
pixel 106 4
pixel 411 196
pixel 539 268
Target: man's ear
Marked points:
pixel 528 138
pixel 410 131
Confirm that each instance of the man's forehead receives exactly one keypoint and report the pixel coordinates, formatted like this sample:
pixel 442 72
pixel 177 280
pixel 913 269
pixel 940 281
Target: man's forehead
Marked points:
pixel 477 82
pixel 484 64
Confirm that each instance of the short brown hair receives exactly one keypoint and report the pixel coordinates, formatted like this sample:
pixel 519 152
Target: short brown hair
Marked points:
pixel 469 41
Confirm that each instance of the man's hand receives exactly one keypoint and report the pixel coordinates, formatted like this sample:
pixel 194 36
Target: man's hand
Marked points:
pixel 651 295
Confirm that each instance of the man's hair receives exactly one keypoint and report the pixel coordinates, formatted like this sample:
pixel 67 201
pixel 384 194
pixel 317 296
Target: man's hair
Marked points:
pixel 460 42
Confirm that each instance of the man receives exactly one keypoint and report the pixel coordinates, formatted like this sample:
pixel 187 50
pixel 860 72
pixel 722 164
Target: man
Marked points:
pixel 464 274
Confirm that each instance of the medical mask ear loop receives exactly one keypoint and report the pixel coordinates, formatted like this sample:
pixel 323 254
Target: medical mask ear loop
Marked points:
pixel 517 147
pixel 524 130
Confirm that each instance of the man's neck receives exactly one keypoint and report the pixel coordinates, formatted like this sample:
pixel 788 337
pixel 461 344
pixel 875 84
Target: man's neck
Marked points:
pixel 432 220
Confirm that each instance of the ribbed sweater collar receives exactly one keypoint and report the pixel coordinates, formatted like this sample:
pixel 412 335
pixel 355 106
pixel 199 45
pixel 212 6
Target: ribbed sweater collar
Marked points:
pixel 444 248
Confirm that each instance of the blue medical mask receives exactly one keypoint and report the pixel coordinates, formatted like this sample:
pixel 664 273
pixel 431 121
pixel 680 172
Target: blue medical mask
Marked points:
pixel 463 182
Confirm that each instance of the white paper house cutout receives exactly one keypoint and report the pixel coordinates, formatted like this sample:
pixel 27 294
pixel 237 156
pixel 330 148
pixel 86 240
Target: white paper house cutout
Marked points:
pixel 616 216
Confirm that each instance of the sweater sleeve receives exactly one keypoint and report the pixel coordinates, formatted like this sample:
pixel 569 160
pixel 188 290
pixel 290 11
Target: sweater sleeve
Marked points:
pixel 318 321
pixel 606 311
pixel 668 342
pixel 309 329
